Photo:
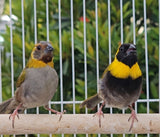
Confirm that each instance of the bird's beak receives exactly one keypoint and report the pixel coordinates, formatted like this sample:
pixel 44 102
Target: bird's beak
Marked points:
pixel 49 47
pixel 131 50
pixel 49 50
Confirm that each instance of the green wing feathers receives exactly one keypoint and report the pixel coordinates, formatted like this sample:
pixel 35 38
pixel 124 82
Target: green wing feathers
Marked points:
pixel 91 102
pixel 21 78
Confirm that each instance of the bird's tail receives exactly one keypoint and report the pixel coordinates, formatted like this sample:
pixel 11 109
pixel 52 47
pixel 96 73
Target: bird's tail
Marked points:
pixel 91 102
pixel 8 106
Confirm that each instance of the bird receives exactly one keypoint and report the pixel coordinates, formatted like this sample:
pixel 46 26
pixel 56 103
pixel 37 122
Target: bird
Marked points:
pixel 120 85
pixel 36 84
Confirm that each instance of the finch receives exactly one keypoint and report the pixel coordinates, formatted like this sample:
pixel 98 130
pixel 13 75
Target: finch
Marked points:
pixel 36 84
pixel 121 83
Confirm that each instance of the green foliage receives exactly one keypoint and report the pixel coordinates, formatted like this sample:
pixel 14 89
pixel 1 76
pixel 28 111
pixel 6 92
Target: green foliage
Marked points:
pixel 152 43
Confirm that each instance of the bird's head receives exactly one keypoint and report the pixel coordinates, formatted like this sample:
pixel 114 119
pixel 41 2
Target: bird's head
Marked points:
pixel 43 51
pixel 127 54
pixel 42 55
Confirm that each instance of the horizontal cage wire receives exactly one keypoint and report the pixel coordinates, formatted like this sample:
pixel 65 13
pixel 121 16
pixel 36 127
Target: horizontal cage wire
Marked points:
pixel 85 36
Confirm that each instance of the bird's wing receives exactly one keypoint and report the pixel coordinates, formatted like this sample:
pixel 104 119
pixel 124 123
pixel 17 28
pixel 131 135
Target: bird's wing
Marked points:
pixel 21 78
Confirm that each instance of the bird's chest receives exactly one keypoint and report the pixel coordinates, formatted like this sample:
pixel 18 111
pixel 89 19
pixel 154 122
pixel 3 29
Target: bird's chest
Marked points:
pixel 39 86
pixel 120 92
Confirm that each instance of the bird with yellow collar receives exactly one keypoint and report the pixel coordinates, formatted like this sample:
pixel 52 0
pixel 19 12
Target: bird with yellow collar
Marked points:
pixel 121 83
pixel 36 84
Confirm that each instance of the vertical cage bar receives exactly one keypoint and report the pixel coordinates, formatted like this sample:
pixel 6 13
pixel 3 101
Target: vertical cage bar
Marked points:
pixel 11 46
pixel 134 34
pixel 159 51
pixel 23 41
pixel 134 38
pixel 23 36
pixel 35 40
pixel 47 32
pixel 136 112
pixel 109 41
pixel 146 55
pixel 73 65
pixel 121 14
pixel 35 23
pixel 60 53
pixel 85 54
pixel 97 48
pixel 109 31
pixel 37 112
pixel 47 19
pixel 121 20
pixel 134 27
pixel 49 104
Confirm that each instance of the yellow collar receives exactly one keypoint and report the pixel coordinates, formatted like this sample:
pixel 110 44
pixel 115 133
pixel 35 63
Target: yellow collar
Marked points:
pixel 121 70
pixel 34 63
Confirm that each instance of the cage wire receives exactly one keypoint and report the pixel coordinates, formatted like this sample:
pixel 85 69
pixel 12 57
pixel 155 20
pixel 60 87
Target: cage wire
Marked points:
pixel 75 102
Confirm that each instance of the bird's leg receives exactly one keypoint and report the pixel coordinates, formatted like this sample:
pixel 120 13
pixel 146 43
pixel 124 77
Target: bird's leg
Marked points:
pixel 14 114
pixel 133 116
pixel 99 113
pixel 54 111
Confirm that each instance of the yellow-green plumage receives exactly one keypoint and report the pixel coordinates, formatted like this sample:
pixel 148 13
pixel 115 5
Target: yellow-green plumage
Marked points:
pixel 21 78
pixel 37 82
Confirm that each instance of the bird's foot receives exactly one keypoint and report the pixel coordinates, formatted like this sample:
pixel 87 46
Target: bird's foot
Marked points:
pixel 56 112
pixel 60 113
pixel 14 114
pixel 99 113
pixel 133 117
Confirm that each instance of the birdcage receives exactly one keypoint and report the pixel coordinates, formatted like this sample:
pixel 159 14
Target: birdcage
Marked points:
pixel 85 36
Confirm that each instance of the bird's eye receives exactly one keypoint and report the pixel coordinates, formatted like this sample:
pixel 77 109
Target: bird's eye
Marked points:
pixel 121 49
pixel 38 47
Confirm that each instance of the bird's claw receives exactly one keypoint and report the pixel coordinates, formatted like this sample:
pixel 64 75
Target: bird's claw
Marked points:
pixel 99 113
pixel 56 112
pixel 60 113
pixel 12 117
pixel 133 117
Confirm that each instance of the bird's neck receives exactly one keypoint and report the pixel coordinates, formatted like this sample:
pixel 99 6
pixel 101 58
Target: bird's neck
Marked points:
pixel 34 63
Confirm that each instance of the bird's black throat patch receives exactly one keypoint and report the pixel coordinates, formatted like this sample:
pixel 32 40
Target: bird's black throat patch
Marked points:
pixel 46 59
pixel 129 60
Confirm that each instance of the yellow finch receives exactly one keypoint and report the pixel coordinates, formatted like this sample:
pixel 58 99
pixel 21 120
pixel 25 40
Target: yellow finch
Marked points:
pixel 36 84
pixel 121 83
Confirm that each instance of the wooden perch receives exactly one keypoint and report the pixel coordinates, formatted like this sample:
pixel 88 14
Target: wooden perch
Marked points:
pixel 79 124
